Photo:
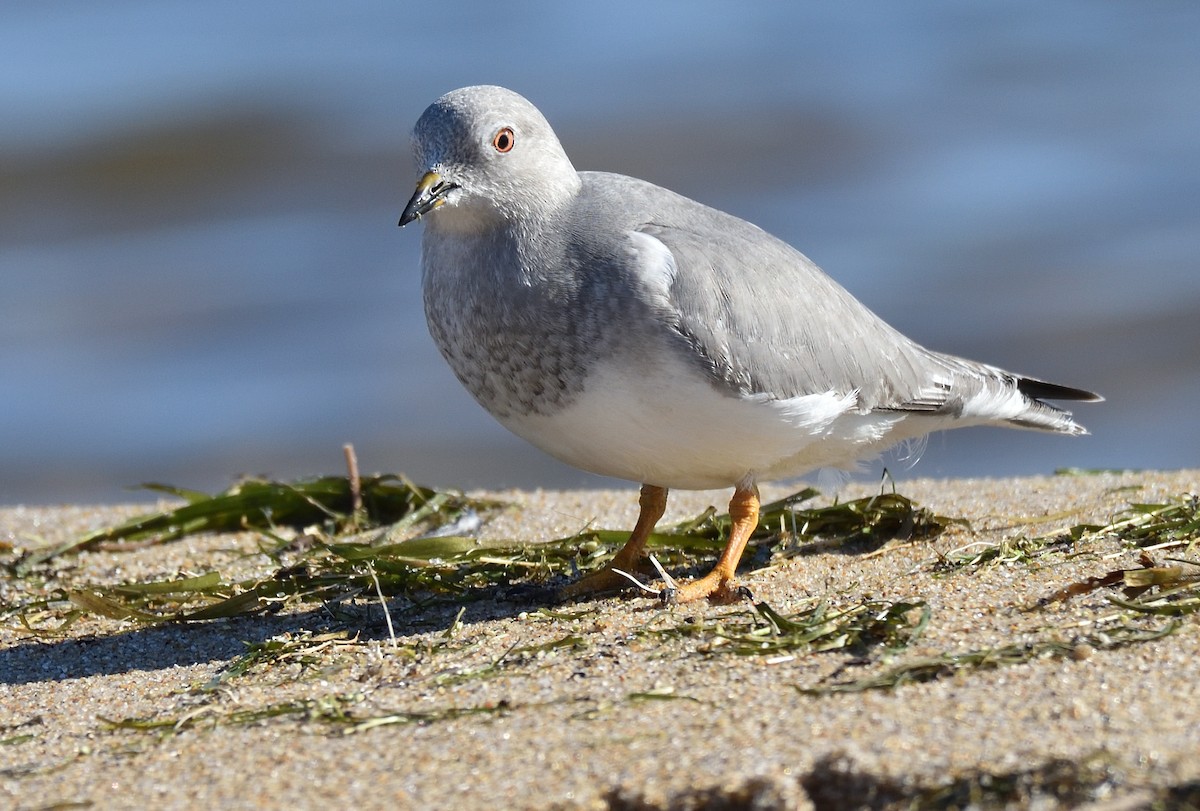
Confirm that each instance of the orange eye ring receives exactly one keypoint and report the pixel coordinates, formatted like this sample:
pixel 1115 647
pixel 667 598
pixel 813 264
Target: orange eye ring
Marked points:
pixel 504 140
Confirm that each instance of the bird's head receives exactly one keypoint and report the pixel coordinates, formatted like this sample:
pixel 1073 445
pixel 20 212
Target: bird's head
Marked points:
pixel 486 155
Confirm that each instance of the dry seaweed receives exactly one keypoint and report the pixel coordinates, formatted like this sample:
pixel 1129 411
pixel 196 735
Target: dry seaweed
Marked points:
pixel 763 631
pixel 1140 525
pixel 327 566
pixel 931 668
pixel 261 504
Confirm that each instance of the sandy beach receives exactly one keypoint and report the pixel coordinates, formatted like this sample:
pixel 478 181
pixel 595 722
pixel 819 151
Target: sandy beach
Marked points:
pixel 1029 684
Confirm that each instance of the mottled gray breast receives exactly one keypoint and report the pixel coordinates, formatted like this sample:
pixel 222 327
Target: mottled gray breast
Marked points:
pixel 522 317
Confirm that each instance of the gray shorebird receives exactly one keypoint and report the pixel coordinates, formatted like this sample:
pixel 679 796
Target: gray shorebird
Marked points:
pixel 635 333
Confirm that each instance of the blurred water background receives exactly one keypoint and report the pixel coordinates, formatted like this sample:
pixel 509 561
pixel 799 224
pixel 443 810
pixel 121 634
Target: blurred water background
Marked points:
pixel 201 274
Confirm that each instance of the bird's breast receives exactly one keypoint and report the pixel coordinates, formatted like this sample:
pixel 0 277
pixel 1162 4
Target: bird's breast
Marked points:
pixel 518 347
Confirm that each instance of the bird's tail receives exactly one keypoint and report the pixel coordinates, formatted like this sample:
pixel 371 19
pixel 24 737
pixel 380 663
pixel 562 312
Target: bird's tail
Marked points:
pixel 1042 416
pixel 992 395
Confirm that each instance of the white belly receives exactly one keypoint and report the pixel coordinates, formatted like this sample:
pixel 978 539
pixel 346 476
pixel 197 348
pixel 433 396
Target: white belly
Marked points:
pixel 665 424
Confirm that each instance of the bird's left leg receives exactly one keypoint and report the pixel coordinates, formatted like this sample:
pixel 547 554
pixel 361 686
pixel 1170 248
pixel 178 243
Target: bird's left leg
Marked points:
pixel 719 584
pixel 653 503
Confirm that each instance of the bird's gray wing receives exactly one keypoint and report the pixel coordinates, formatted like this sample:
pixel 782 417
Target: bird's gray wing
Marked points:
pixel 765 319
pixel 761 318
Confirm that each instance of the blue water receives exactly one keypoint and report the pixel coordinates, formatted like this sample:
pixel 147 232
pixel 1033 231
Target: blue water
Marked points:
pixel 200 273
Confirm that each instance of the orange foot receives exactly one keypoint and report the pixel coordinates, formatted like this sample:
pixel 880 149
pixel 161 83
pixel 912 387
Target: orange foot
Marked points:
pixel 714 586
pixel 631 558
pixel 600 582
pixel 718 586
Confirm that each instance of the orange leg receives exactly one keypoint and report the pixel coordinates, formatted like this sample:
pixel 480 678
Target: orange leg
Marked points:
pixel 653 502
pixel 719 585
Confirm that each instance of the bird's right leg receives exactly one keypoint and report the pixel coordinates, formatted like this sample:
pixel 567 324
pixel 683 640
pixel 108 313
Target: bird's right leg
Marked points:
pixel 653 502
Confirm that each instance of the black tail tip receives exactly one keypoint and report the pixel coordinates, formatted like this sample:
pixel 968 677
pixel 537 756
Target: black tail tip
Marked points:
pixel 1041 390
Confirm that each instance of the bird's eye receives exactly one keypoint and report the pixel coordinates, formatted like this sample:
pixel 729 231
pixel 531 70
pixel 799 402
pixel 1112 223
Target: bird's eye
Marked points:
pixel 504 139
